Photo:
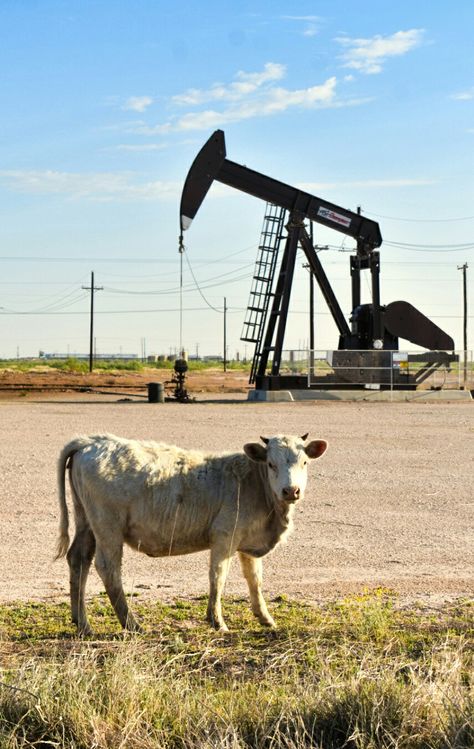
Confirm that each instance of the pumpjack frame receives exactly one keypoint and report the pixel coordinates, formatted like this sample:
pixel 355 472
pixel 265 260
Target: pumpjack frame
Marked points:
pixel 374 329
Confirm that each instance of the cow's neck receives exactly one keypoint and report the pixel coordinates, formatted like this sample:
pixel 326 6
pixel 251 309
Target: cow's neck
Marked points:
pixel 283 512
pixel 280 513
pixel 275 518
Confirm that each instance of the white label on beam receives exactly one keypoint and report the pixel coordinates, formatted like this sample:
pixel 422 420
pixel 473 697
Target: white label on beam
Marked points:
pixel 337 218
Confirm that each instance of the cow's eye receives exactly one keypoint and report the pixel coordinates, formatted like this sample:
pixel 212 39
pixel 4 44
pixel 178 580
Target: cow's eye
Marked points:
pixel 272 466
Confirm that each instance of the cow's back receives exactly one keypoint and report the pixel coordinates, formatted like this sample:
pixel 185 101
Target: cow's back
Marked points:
pixel 164 500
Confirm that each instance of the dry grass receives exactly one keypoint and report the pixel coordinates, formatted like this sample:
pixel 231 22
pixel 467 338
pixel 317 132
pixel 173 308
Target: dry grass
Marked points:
pixel 358 674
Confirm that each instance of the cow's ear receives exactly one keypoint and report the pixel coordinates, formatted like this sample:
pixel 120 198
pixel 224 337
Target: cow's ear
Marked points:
pixel 255 452
pixel 316 448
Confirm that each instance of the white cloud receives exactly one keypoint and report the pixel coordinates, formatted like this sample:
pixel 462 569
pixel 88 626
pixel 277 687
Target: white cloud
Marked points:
pixel 138 103
pixel 311 19
pixel 248 95
pixel 139 147
pixel 312 23
pixel 270 101
pixel 95 186
pixel 369 55
pixel 464 95
pixel 244 85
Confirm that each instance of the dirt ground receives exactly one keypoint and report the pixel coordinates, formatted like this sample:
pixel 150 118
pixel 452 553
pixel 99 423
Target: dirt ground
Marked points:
pixel 43 378
pixel 390 504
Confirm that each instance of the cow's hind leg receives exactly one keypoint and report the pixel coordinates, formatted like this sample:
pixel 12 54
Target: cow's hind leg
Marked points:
pixel 108 562
pixel 252 570
pixel 219 567
pixel 79 558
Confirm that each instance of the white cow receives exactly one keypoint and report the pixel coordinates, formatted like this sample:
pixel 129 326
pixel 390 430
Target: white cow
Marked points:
pixel 163 500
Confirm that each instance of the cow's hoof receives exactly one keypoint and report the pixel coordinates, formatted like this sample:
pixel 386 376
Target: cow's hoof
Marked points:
pixel 265 620
pixel 84 631
pixel 133 628
pixel 219 626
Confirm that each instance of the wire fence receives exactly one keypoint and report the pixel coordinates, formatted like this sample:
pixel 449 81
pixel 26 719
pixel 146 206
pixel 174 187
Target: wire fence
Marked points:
pixel 375 370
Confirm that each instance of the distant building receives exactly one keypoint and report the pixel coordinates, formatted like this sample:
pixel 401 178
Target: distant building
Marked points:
pixel 97 357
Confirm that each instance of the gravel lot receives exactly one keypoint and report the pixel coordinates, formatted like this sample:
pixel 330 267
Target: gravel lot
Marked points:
pixel 391 502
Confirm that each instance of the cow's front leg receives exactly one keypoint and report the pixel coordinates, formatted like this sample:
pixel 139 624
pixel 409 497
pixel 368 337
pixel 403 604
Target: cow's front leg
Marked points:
pixel 218 569
pixel 108 561
pixel 252 570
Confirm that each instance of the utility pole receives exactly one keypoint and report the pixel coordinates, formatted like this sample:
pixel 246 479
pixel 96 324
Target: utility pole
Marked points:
pixel 225 334
pixel 311 318
pixel 317 248
pixel 92 288
pixel 464 286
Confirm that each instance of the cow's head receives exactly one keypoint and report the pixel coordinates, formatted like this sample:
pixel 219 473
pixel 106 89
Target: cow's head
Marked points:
pixel 286 459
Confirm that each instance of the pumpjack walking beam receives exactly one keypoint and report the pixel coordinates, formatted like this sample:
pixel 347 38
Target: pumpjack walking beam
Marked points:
pixel 211 164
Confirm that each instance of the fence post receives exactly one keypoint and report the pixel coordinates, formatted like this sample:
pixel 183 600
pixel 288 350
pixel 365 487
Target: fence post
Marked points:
pixel 391 376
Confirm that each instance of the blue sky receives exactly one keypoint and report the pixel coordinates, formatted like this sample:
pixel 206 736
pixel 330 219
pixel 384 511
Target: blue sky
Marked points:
pixel 105 105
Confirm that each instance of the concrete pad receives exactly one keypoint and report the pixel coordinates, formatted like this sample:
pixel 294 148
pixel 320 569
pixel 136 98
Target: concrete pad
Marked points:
pixel 388 396
pixel 271 396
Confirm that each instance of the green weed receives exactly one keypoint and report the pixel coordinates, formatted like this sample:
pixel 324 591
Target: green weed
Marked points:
pixel 360 673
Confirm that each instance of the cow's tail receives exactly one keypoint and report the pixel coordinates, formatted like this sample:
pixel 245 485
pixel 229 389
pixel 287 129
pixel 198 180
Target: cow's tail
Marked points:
pixel 64 462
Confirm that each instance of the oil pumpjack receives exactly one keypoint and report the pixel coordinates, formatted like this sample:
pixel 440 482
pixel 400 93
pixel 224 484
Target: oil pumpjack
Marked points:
pixel 366 345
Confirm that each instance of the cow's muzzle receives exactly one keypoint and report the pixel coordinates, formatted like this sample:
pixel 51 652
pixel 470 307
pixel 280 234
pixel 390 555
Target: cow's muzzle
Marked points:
pixel 291 494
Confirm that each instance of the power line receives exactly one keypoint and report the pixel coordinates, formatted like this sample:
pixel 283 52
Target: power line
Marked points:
pixel 207 261
pixel 175 290
pixel 83 259
pixel 7 313
pixel 446 247
pixel 197 285
pixel 66 298
pixel 51 308
pixel 421 220
pixel 233 310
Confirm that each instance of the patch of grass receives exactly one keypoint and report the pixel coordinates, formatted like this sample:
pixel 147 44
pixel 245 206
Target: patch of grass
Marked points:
pixel 119 365
pixel 70 365
pixel 203 366
pixel 73 364
pixel 360 673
